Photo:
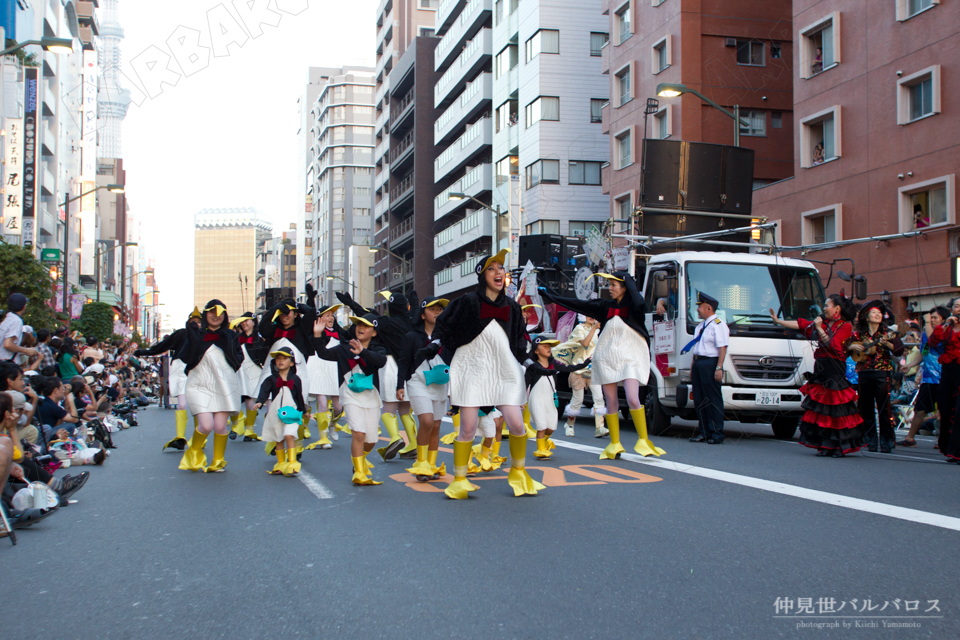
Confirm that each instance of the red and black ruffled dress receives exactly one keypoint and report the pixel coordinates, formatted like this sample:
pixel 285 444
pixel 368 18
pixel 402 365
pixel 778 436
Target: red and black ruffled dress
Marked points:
pixel 832 419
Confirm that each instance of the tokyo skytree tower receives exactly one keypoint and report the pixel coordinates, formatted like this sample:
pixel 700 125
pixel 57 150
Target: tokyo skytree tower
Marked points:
pixel 112 99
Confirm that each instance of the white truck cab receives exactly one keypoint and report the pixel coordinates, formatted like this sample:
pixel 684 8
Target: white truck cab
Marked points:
pixel 764 364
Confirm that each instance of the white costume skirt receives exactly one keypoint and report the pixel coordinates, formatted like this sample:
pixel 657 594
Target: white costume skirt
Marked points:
pixel 274 429
pixel 543 412
pixel 422 405
pixel 323 374
pixel 484 372
pixel 365 420
pixel 417 386
pixel 178 379
pixel 249 376
pixel 621 354
pixel 213 385
pixel 388 380
pixel 298 360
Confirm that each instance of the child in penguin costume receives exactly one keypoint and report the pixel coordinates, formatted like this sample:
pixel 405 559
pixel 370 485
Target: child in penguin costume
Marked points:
pixel 283 390
pixel 251 345
pixel 324 382
pixel 540 378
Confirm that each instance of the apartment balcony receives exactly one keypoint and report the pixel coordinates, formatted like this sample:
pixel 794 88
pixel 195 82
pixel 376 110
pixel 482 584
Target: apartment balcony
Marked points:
pixel 383 120
pixel 473 183
pixel 470 20
pixel 476 96
pixel 401 152
pixel 381 207
pixel 48 186
pixel 386 60
pixel 86 15
pixel 400 274
pixel 404 110
pixel 381 178
pixel 382 148
pixel 475 56
pixel 382 92
pixel 456 277
pixel 86 35
pixel 476 136
pixel 446 13
pixel 478 224
pixel 49 98
pixel 401 232
pixel 49 64
pixel 48 141
pixel 385 32
pixel 402 191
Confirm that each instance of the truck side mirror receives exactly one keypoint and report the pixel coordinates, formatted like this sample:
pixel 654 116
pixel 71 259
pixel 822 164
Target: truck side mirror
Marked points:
pixel 661 286
pixel 860 287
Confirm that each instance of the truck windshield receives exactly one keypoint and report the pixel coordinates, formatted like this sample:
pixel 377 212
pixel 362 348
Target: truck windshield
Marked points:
pixel 747 291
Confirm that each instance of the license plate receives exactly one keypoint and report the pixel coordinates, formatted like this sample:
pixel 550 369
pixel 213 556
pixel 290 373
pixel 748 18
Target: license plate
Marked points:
pixel 768 398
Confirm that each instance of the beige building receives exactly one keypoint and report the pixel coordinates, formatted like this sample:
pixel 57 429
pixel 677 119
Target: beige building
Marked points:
pixel 225 256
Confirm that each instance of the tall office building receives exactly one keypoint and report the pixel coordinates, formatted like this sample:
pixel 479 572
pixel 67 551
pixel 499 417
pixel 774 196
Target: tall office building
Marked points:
pixel 305 157
pixel 226 244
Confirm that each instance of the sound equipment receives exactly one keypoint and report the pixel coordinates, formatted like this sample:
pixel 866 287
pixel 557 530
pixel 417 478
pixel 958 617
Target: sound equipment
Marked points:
pixel 662 173
pixel 552 251
pixel 274 295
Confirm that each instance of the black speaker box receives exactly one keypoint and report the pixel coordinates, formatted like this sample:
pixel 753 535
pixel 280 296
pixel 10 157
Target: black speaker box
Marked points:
pixel 662 162
pixel 543 250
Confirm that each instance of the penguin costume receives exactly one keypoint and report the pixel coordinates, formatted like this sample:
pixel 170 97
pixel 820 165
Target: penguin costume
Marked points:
pixel 622 354
pixel 177 379
pixel 485 328
pixel 212 356
pixel 391 331
pixel 251 345
pixel 283 389
pixel 322 375
pixel 540 379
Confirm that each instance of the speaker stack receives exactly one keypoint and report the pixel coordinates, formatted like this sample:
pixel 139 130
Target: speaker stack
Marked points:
pixel 555 256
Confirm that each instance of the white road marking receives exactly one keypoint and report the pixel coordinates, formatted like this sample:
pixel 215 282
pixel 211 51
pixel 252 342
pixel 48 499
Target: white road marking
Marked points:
pixel 869 506
pixel 316 487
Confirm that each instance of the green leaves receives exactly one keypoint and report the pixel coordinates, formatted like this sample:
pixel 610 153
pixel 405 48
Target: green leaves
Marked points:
pixel 96 320
pixel 20 272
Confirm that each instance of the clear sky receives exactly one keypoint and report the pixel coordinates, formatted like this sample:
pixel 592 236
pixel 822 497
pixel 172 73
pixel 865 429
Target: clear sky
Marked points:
pixel 226 134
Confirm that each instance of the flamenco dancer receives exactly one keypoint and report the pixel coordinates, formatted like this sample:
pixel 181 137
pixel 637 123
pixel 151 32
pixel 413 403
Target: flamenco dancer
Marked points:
pixel 485 329
pixel 391 332
pixel 177 379
pixel 540 378
pixel 251 346
pixel 423 383
pixel 621 356
pixel 324 381
pixel 288 324
pixel 358 365
pixel 282 389
pixel 878 347
pixel 831 423
pixel 212 357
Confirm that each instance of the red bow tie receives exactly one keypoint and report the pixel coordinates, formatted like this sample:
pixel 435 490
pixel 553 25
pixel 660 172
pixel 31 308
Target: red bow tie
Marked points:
pixel 213 336
pixel 613 311
pixel 490 311
pixel 283 333
pixel 356 361
pixel 284 383
pixel 331 334
pixel 246 339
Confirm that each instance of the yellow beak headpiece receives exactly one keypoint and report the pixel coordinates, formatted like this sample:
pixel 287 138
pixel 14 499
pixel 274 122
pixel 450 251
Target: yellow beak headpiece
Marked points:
pixel 218 308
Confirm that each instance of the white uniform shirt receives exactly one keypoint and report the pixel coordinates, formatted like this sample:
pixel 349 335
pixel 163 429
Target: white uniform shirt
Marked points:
pixel 716 334
pixel 11 327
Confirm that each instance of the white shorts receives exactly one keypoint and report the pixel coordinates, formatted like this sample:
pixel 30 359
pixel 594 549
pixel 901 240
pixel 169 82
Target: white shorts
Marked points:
pixel 365 420
pixel 487 426
pixel 421 405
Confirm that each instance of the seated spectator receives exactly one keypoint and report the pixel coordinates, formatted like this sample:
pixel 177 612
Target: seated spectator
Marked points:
pixel 47 358
pixel 29 341
pixel 51 414
pixel 24 410
pixel 67 360
pixel 92 350
pixel 75 449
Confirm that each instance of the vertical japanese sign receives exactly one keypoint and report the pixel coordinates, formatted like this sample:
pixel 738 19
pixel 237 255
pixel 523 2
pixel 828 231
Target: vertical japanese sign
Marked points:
pixel 31 121
pixel 12 203
pixel 88 136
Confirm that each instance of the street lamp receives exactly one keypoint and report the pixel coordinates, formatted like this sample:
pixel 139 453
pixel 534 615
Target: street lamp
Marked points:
pixel 96 257
pixel 403 266
pixel 53 45
pixel 462 196
pixel 353 286
pixel 113 188
pixel 667 90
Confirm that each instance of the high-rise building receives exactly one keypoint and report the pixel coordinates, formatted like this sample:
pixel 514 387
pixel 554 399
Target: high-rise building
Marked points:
pixel 877 145
pixel 112 99
pixel 339 177
pixel 734 53
pixel 306 152
pixel 226 244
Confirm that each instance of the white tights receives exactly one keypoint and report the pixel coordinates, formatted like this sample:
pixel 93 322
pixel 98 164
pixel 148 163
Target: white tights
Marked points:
pixel 631 388
pixel 218 422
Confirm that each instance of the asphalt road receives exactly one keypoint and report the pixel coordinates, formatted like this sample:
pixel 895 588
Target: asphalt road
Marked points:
pixel 698 544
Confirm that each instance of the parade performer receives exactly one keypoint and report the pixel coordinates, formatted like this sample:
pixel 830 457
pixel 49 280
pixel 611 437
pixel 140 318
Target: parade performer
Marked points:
pixel 540 379
pixel 831 421
pixel 423 383
pixel 176 379
pixel 358 365
pixel 283 389
pixel 490 428
pixel 251 345
pixel 212 356
pixel 622 355
pixel 929 377
pixel 324 381
pixel 874 346
pixel 580 346
pixel 947 337
pixel 485 329
pixel 288 324
pixel 391 331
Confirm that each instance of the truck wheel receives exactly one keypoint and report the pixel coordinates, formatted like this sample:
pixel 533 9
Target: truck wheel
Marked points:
pixel 784 427
pixel 658 422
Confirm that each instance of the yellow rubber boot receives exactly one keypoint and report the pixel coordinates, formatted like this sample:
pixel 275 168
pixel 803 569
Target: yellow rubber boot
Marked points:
pixel 496 459
pixel 644 446
pixel 281 466
pixel 366 463
pixel 526 423
pixel 293 466
pixel 219 448
pixel 460 487
pixel 396 442
pixel 180 442
pixel 194 459
pixel 410 428
pixel 483 458
pixel 542 449
pixel 323 422
pixel 360 476
pixel 239 424
pixel 249 422
pixel 196 423
pixel 302 432
pixel 269 447
pixel 432 459
pixel 422 467
pixel 614 449
pixel 518 478
pixel 549 442
pixel 306 426
pixel 450 438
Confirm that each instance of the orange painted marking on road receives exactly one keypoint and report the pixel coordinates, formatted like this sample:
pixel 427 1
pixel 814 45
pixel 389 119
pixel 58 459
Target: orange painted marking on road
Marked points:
pixel 553 477
pixel 635 477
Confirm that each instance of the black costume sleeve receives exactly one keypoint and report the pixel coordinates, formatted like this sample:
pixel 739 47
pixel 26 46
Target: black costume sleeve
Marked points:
pixel 345 298
pixel 375 356
pixel 518 332
pixel 637 304
pixel 329 353
pixel 267 329
pixel 457 313
pixel 571 368
pixel 405 359
pixel 298 393
pixel 171 343
pixel 265 390
pixel 596 309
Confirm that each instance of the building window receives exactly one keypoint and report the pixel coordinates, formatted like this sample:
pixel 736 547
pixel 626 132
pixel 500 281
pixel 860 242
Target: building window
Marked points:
pixel 584 172
pixel 506 60
pixel 660 55
pixel 918 95
pixel 361 191
pixel 622 21
pixel 544 226
pixel 820 45
pixel 662 123
pixel 338 214
pixel 543 41
pixel 429 4
pixel 509 166
pixel 543 172
pixel 596 109
pixel 543 108
pixel 598 40
pixel 506 115
pixel 338 193
pixel 927 204
pixel 624 207
pixel 623 86
pixel 906 9
pixel 820 137
pixel 776 119
pixel 822 225
pixel 361 212
pixel 426 33
pixel 582 227
pixel 753 123
pixel 750 52
pixel 624 150
pixel 498 11
pixel 656 3
pixel 776 51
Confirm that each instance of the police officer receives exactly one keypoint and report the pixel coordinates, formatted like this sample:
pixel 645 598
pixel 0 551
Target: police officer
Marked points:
pixel 709 344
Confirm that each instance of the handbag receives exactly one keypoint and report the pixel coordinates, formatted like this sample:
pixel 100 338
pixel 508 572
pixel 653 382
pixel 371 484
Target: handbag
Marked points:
pixel 360 382
pixel 439 374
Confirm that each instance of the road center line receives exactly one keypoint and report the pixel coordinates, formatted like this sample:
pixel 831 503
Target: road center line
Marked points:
pixel 869 506
pixel 316 487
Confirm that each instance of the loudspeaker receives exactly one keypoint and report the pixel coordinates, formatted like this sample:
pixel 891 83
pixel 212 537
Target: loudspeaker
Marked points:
pixel 703 176
pixel 662 162
pixel 543 250
pixel 737 180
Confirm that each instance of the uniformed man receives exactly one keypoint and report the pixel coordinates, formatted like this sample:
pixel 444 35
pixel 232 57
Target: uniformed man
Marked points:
pixel 710 343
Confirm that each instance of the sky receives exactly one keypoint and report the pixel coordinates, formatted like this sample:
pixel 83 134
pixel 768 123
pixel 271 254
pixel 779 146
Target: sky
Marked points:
pixel 226 134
